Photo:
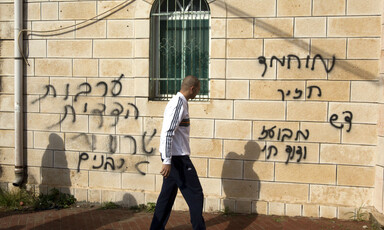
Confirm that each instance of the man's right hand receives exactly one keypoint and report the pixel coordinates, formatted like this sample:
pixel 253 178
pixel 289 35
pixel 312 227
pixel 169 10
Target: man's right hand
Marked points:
pixel 165 170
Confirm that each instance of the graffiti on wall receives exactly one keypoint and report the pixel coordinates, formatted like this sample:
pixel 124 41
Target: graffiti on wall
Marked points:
pixel 298 93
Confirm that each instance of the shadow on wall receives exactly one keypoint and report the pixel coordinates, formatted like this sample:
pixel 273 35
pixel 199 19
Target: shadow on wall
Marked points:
pixel 54 170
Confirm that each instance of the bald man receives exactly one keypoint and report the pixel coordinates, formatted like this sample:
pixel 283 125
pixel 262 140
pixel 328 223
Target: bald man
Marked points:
pixel 178 170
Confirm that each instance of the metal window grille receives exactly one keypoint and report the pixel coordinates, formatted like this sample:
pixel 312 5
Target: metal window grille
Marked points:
pixel 179 46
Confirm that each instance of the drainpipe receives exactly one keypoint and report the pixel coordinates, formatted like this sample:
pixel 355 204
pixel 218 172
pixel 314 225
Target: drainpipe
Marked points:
pixel 18 89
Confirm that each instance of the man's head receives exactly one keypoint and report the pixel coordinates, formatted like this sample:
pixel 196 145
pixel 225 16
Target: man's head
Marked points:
pixel 190 87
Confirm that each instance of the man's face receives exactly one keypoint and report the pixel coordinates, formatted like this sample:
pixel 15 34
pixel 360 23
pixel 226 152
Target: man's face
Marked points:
pixel 195 91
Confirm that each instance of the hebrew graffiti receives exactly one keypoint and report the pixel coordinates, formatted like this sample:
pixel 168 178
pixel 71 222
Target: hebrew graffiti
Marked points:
pixel 298 93
pixel 347 118
pixel 282 61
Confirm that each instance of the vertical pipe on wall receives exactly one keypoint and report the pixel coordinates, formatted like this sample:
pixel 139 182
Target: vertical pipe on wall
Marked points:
pixel 18 79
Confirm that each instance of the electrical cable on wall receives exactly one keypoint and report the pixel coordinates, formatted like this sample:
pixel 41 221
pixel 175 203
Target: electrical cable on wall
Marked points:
pixel 42 33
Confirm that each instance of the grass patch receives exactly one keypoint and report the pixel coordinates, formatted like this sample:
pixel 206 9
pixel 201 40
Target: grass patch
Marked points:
pixel 22 199
pixel 149 207
pixel 109 205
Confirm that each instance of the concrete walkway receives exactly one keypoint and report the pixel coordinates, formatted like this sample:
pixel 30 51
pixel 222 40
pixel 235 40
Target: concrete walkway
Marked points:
pixel 93 218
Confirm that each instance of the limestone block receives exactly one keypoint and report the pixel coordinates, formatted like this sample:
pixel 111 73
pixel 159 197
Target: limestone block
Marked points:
pixel 201 166
pixel 273 28
pixel 368 7
pixel 85 68
pixel 217 89
pixel 7 48
pixel 34 178
pixel 43 122
pixel 214 109
pixel 66 159
pixel 201 128
pixel 356 176
pixel 310 27
pixel 138 182
pixel 293 209
pixel 243 150
pixel 49 140
pixel 228 204
pixel 77 10
pixel 295 73
pixel 329 7
pixel 142 70
pixel 55 105
pixel 152 108
pixel 259 170
pixel 104 124
pixel 7 85
pixel 159 182
pixel 79 142
pixel 116 67
pixel 7 173
pixel 260 207
pixel 39 158
pixel 217 70
pixel 112 49
pixel 7 120
pixel 243 206
pixel 218 27
pixel 94 196
pixel 91 102
pixel 361 134
pixel 327 47
pixel 141 87
pixel 180 204
pixel 6 30
pixel 92 29
pixel 212 205
pixel 365 91
pixel 81 195
pixel 322 132
pixel 283 47
pixel 281 192
pixel 35 48
pixel 338 195
pixel 151 197
pixel 311 210
pixel 260 110
pixel 269 90
pixel 33 11
pixel 330 90
pixel 28 106
pixel 36 85
pixel 120 29
pixel 122 12
pixel 7 156
pixel 56 177
pixel 108 196
pixel 241 189
pixel 206 147
pixel 248 69
pixel 141 29
pixel 354 26
pixel 6 12
pixel 7 103
pixel 237 89
pixel 105 143
pixel 310 149
pixel 277 208
pixel 240 28
pixel 347 154
pixel 293 8
pixel 363 48
pixel 230 169
pixel 28 139
pixel 128 163
pixel 378 193
pixel 218 8
pixel 362 113
pixel 143 8
pixel 142 48
pixel 230 129
pixel 305 173
pixel 218 48
pixel 130 126
pixel 211 186
pixel 53 67
pixel 244 48
pixel 6 67
pixel 345 213
pixel 67 32
pixel 251 8
pixel 328 212
pixel 49 10
pixel 307 111
pixel 104 179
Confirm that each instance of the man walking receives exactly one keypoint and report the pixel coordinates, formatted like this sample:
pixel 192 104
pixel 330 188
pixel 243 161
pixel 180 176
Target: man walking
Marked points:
pixel 178 170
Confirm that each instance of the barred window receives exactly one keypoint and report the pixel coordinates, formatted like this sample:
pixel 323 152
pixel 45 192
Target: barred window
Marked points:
pixel 179 46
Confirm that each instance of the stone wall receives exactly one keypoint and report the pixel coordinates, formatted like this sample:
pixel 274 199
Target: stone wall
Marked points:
pixel 298 138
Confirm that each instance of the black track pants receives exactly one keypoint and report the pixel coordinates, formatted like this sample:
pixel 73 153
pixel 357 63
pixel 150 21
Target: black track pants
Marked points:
pixel 183 176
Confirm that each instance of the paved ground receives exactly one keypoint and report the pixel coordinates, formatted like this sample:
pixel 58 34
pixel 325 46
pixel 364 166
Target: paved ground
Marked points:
pixel 93 218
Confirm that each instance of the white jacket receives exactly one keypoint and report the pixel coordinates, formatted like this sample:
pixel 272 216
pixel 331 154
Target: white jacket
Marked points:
pixel 174 137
